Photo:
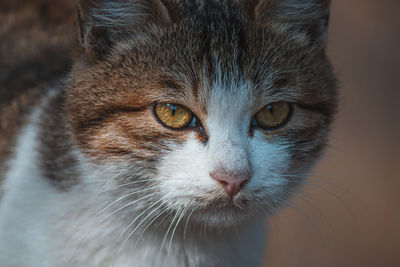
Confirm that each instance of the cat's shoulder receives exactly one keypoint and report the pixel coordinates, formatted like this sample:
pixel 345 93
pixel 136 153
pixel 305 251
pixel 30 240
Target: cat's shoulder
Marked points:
pixel 14 112
pixel 38 39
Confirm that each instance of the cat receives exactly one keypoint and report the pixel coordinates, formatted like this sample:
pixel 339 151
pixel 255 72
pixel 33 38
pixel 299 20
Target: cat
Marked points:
pixel 181 126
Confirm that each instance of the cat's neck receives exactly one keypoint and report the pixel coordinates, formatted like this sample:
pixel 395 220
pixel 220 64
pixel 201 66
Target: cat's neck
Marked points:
pixel 164 243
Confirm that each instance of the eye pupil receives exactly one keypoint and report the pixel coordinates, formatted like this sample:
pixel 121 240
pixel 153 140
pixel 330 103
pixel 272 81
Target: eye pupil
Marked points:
pixel 173 109
pixel 271 109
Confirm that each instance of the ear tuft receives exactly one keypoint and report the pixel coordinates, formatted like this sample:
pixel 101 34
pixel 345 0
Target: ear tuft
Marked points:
pixel 309 16
pixel 101 23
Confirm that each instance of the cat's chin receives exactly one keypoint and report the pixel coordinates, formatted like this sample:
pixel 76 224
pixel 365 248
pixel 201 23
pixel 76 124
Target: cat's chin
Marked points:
pixel 224 217
pixel 227 213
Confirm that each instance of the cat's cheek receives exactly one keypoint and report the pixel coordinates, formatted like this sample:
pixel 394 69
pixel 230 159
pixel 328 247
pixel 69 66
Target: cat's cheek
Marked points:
pixel 183 173
pixel 270 162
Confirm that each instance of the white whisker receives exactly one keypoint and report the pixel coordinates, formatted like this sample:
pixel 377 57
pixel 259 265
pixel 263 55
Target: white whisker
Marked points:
pixel 130 204
pixel 122 185
pixel 169 228
pixel 149 224
pixel 133 221
pixel 176 226
pixel 125 196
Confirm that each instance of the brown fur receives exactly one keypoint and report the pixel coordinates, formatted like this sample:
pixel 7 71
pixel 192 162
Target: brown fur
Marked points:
pixel 37 40
pixel 98 117
pixel 37 37
pixel 105 106
pixel 116 92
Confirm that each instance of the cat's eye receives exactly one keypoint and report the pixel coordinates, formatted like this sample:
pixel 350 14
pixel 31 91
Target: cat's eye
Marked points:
pixel 174 116
pixel 272 116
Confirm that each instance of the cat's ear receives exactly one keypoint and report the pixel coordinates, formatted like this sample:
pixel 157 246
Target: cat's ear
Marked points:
pixel 310 17
pixel 103 22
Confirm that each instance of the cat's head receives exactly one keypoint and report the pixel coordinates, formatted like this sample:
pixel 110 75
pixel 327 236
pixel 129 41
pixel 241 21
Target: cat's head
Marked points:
pixel 214 108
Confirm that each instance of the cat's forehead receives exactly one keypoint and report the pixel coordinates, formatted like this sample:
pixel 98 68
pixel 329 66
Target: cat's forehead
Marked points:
pixel 200 66
pixel 215 54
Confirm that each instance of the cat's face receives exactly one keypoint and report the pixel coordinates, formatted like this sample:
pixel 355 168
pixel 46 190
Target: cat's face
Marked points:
pixel 213 115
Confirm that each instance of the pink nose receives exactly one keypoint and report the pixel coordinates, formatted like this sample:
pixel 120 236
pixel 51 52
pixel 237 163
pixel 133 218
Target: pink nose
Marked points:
pixel 231 182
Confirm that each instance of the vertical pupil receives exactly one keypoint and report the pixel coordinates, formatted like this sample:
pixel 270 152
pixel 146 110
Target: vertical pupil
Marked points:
pixel 271 109
pixel 173 109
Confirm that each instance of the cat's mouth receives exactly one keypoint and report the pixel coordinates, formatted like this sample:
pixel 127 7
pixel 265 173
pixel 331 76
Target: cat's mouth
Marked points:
pixel 239 205
pixel 228 215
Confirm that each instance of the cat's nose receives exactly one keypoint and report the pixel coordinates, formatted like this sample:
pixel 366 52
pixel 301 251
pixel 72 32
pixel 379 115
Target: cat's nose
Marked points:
pixel 231 182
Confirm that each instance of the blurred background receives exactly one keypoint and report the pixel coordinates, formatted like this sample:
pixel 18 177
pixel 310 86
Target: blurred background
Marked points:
pixel 348 214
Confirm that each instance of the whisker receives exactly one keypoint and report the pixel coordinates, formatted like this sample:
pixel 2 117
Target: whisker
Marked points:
pixel 308 218
pixel 176 226
pixel 143 220
pixel 125 196
pixel 170 209
pixel 265 213
pixel 308 200
pixel 137 217
pixel 149 224
pixel 131 183
pixel 169 228
pixel 294 239
pixel 327 182
pixel 133 221
pixel 122 185
pixel 289 225
pixel 344 203
pixel 130 204
pixel 186 224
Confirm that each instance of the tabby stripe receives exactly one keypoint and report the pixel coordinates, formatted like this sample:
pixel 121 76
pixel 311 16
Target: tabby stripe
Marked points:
pixel 104 115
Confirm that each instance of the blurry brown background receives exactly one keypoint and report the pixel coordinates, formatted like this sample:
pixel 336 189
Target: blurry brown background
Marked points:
pixel 349 213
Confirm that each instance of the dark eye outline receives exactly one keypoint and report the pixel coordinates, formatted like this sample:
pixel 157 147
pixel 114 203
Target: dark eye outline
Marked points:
pixel 192 125
pixel 255 124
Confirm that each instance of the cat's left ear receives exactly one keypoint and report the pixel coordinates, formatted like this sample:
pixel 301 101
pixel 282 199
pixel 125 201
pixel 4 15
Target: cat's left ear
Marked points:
pixel 104 22
pixel 308 17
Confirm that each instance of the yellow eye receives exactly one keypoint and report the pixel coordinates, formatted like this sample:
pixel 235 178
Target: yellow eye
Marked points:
pixel 173 116
pixel 273 115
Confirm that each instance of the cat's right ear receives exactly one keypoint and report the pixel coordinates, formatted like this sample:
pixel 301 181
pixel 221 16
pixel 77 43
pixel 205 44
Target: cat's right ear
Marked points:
pixel 305 18
pixel 104 22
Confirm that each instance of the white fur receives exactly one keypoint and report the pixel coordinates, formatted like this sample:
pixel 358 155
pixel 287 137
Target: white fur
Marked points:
pixel 92 225
pixel 41 225
pixel 184 173
pixel 23 207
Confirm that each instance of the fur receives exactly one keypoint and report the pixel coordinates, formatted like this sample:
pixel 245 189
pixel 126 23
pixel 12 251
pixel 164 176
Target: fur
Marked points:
pixel 94 179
